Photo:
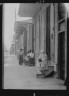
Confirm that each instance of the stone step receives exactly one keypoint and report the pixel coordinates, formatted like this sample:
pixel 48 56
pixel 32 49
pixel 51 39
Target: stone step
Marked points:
pixel 40 76
pixel 46 72
pixel 50 70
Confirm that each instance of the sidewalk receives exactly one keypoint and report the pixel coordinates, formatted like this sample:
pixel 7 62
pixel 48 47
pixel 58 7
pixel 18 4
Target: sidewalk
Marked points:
pixel 11 60
pixel 24 77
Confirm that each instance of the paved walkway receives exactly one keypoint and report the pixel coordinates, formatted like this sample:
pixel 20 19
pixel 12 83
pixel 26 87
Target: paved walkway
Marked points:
pixel 24 77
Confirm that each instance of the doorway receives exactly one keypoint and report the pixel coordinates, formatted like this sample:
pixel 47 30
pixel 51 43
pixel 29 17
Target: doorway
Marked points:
pixel 61 55
pixel 48 32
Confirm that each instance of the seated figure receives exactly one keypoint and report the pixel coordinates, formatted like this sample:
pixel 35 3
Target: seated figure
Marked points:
pixel 31 60
pixel 26 58
pixel 42 61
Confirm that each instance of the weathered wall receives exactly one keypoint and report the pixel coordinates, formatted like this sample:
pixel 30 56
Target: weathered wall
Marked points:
pixel 52 46
pixel 40 33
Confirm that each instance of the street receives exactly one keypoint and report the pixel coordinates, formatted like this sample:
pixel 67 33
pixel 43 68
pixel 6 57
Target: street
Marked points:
pixel 24 77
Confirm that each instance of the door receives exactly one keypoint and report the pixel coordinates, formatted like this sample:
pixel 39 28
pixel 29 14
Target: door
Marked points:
pixel 48 32
pixel 61 55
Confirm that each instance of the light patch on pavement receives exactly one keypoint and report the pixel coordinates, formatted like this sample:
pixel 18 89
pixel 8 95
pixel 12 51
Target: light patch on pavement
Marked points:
pixel 9 65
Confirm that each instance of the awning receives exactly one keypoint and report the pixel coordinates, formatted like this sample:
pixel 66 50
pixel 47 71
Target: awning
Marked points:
pixel 17 36
pixel 29 9
pixel 19 27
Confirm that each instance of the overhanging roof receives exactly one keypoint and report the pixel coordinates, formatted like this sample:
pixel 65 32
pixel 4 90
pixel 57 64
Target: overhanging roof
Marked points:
pixel 20 27
pixel 29 9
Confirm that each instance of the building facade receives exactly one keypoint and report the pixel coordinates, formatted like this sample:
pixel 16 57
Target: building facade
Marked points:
pixel 48 32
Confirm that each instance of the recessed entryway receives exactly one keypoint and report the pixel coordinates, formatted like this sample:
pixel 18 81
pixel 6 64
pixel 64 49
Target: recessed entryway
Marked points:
pixel 61 55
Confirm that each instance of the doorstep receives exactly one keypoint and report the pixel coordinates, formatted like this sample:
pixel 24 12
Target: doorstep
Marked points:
pixel 40 76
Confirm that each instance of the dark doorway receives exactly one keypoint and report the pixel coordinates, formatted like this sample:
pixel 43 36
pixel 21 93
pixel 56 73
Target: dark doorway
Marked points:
pixel 48 32
pixel 61 55
pixel 25 43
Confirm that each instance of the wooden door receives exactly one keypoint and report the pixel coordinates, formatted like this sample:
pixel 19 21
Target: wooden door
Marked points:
pixel 61 55
pixel 48 32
